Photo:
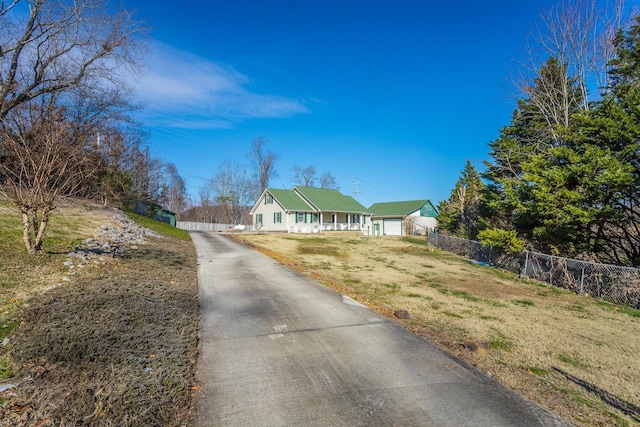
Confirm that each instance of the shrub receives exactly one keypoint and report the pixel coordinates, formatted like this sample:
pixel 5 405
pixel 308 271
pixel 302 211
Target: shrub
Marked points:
pixel 505 241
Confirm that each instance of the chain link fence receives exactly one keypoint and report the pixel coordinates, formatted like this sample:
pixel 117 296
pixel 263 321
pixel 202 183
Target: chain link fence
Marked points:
pixel 619 285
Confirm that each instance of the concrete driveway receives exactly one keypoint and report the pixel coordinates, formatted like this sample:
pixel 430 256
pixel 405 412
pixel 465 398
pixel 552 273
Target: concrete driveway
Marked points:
pixel 279 349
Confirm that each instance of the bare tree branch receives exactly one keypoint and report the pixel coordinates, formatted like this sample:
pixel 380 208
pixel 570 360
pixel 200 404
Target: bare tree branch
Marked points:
pixel 61 45
pixel 328 181
pixel 263 163
pixel 232 189
pixel 304 176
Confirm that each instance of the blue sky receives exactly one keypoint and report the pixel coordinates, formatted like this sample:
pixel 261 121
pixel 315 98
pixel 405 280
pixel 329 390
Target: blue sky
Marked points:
pixel 397 95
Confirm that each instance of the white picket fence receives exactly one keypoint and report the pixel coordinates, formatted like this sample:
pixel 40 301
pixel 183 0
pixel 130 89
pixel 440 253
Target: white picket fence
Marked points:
pixel 207 226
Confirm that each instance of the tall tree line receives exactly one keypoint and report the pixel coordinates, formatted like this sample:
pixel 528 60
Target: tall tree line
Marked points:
pixel 565 173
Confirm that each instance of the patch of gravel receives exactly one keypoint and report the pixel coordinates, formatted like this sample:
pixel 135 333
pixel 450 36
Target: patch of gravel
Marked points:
pixel 109 241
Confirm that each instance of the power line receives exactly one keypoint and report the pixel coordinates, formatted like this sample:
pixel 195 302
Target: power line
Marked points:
pixel 356 183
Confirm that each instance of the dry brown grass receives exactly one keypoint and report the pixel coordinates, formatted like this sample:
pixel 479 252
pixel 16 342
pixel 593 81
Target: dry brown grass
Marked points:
pixel 116 345
pixel 24 276
pixel 574 355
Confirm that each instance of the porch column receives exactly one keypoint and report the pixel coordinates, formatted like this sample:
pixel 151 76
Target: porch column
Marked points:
pixel 348 221
pixel 335 221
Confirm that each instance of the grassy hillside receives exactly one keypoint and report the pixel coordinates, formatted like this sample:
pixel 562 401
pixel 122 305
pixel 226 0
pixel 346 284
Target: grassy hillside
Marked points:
pixel 107 343
pixel 24 276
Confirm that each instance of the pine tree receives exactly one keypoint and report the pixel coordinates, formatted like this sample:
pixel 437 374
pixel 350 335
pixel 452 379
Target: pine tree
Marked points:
pixel 459 214
pixel 539 125
pixel 572 187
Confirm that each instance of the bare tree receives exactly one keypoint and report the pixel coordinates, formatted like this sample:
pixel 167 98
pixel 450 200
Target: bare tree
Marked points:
pixel 410 225
pixel 43 161
pixel 556 96
pixel 304 176
pixel 263 162
pixel 328 181
pixel 117 151
pixel 207 209
pixel 116 137
pixel 173 190
pixel 59 45
pixel 147 176
pixel 232 189
pixel 62 68
pixel 579 34
pixel 569 53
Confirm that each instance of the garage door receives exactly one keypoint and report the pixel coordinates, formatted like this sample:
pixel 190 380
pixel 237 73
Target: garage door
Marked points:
pixel 393 227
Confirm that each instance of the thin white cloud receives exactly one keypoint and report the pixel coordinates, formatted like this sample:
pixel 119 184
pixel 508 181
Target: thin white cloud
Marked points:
pixel 181 89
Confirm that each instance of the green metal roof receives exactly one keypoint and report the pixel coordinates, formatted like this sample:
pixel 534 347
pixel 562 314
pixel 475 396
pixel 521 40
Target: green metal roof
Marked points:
pixel 289 200
pixel 400 209
pixel 330 200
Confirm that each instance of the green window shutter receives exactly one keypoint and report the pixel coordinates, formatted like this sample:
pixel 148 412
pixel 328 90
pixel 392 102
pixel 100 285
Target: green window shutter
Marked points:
pixel 296 214
pixel 305 217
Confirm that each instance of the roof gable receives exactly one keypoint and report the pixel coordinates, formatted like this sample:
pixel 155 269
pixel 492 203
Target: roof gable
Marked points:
pixel 289 200
pixel 329 200
pixel 399 208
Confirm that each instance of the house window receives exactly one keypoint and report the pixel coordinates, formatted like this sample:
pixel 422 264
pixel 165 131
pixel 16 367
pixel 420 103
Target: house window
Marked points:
pixel 268 199
pixel 259 219
pixel 277 217
pixel 315 218
pixel 301 217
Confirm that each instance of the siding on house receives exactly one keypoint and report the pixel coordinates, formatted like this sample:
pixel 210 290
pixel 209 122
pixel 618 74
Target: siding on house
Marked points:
pixel 277 209
pixel 308 210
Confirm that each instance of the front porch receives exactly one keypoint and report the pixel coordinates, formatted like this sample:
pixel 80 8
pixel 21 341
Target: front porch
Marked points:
pixel 342 226
pixel 336 221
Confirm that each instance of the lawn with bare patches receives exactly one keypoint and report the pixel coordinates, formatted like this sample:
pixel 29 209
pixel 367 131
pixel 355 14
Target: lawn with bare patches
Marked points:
pixel 573 355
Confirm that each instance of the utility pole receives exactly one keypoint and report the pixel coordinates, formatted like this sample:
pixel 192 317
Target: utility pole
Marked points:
pixel 356 183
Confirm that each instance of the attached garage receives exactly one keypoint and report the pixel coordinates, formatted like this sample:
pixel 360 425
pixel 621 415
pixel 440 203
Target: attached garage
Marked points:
pixel 392 227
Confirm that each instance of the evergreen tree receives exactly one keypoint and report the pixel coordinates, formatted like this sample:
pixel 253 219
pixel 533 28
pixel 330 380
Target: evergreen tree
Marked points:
pixel 585 193
pixel 612 130
pixel 572 187
pixel 539 125
pixel 459 214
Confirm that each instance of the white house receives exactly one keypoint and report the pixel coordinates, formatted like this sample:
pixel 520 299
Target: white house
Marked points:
pixel 309 210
